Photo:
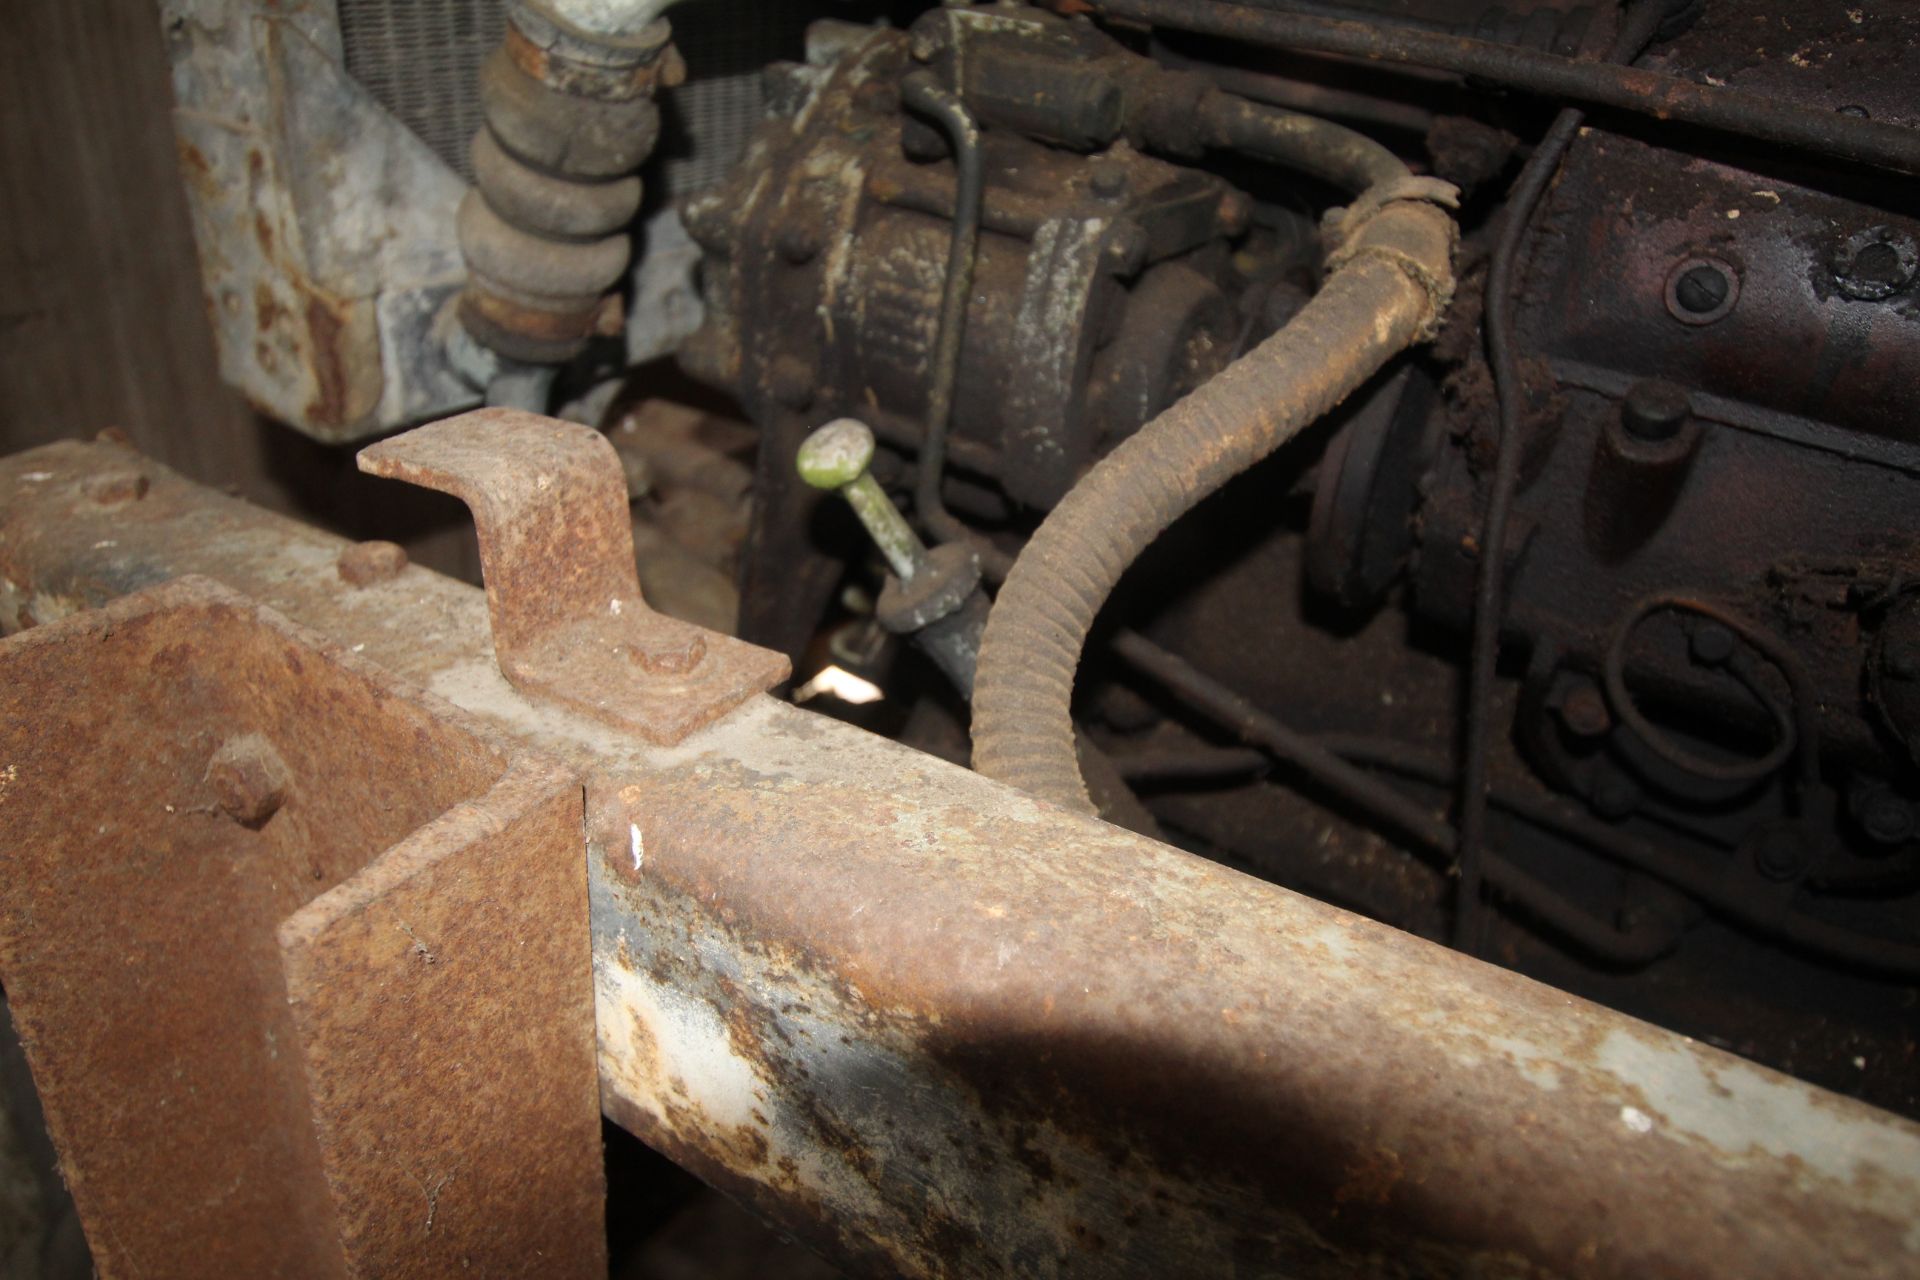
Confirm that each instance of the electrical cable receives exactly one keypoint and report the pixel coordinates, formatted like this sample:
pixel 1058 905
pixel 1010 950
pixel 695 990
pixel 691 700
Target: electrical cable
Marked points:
pixel 1638 26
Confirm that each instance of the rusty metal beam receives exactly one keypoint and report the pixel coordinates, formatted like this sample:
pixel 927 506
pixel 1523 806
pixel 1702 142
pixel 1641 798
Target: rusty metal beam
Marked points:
pixel 940 1028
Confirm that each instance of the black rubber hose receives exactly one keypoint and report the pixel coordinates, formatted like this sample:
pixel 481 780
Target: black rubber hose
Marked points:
pixel 1389 282
pixel 1349 160
pixel 1667 98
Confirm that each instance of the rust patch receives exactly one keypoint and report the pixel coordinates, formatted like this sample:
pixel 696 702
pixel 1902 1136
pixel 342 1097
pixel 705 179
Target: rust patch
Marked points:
pixel 243 1064
pixel 1021 974
pixel 332 395
pixel 549 500
pixel 267 311
pixel 197 169
pixel 1370 1179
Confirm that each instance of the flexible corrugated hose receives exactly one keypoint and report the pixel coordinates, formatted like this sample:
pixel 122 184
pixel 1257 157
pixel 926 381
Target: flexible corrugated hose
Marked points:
pixel 1390 279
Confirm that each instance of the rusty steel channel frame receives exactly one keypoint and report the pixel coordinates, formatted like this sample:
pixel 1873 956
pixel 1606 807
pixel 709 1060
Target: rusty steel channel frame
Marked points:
pixel 295 954
pixel 939 1028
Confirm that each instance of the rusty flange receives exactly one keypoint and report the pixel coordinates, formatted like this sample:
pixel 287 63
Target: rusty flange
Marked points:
pixel 549 499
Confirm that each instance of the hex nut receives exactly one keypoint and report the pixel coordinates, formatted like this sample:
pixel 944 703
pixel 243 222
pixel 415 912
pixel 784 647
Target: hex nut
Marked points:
pixel 365 563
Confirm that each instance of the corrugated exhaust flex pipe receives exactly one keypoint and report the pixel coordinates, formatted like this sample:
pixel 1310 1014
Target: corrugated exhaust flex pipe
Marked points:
pixel 1390 278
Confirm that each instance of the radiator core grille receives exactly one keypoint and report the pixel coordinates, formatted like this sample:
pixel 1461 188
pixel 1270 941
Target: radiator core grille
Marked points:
pixel 421 60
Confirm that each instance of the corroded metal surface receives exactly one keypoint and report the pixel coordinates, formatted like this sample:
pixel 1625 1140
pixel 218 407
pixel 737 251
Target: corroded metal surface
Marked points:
pixel 556 545
pixel 448 1030
pixel 298 956
pixel 941 1028
pixel 325 225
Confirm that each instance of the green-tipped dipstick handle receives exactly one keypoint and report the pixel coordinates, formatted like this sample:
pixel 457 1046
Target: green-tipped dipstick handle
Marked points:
pixel 836 457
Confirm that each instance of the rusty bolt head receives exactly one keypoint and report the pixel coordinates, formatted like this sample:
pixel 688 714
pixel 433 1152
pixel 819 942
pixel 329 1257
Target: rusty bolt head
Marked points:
pixel 709 220
pixel 365 563
pixel 1711 644
pixel 249 779
pixel 1885 816
pixel 1780 851
pixel 115 488
pixel 1614 796
pixel 673 658
pixel 1655 410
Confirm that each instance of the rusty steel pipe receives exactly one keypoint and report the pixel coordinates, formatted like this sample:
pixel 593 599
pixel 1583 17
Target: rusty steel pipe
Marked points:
pixel 940 1028
pixel 1736 113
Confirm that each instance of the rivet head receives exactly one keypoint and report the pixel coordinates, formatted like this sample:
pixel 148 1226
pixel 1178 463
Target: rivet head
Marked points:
pixel 116 488
pixel 249 779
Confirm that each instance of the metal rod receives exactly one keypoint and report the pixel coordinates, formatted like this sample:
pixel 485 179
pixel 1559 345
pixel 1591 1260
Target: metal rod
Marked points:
pixel 1636 945
pixel 1663 97
pixel 1550 813
pixel 922 93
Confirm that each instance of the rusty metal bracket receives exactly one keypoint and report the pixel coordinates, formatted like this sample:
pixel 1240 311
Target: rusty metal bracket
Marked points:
pixel 299 955
pixel 549 499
